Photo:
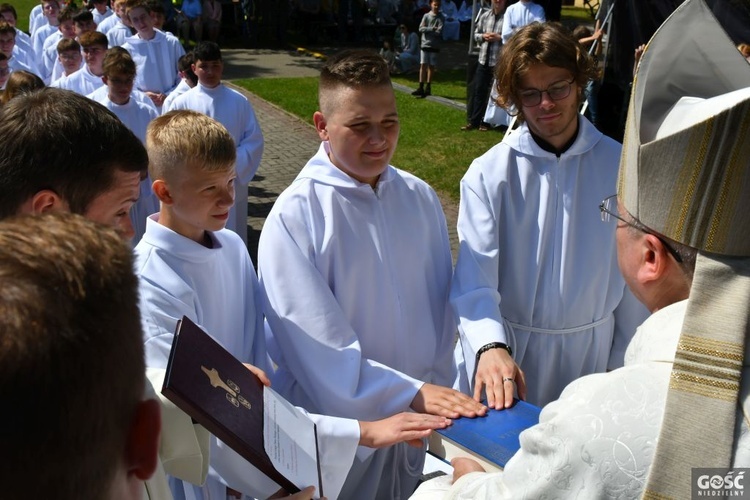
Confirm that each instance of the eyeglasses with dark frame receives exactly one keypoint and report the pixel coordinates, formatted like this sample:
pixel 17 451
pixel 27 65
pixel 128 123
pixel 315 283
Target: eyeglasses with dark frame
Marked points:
pixel 608 208
pixel 557 92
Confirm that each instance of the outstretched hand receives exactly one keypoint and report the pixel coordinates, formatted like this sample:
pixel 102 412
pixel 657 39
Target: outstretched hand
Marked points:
pixel 463 465
pixel 259 373
pixel 438 400
pixel 403 427
pixel 499 375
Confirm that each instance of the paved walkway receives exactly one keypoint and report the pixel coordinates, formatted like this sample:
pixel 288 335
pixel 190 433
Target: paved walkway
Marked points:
pixel 289 141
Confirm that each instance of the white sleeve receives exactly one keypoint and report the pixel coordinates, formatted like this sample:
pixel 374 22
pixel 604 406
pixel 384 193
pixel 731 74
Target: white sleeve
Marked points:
pixel 249 148
pixel 474 292
pixel 160 312
pixel 508 26
pixel 337 443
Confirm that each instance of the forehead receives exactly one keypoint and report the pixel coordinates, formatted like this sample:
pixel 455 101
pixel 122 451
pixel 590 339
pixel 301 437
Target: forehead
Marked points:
pixel 347 102
pixel 193 173
pixel 119 73
pixel 540 76
pixel 198 62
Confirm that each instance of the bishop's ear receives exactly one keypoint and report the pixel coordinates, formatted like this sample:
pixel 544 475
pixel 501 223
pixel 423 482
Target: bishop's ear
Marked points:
pixel 654 260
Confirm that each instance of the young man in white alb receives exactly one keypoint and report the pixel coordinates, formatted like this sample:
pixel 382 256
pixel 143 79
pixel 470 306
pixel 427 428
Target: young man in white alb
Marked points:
pixel 155 54
pixel 232 110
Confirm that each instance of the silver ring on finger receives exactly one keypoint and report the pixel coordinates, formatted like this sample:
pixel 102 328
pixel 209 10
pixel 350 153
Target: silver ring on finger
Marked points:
pixel 508 379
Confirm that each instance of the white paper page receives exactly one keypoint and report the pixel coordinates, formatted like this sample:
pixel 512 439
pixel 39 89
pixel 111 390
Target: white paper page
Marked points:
pixel 289 440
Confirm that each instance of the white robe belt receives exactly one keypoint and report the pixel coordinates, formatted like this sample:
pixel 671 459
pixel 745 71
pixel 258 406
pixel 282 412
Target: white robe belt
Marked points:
pixel 574 329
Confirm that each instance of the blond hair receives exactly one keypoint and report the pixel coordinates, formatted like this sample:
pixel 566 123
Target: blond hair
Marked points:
pixel 186 138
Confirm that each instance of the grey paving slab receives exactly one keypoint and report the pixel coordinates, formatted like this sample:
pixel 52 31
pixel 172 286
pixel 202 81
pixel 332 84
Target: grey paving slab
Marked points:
pixel 269 63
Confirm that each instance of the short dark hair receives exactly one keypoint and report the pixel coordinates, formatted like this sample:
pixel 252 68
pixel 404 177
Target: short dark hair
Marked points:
pixel 66 44
pixel 156 6
pixel 207 51
pixel 83 16
pixel 72 369
pixel 6 7
pixel 353 68
pixel 67 13
pixel 185 64
pixel 134 4
pixel 59 140
pixel 548 43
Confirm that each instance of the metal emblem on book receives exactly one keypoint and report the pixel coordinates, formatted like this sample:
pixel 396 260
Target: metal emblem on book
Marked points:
pixel 232 390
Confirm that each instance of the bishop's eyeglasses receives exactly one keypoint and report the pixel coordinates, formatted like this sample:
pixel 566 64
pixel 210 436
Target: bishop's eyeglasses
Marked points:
pixel 608 208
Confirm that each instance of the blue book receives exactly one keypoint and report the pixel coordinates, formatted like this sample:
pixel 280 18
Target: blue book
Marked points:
pixel 491 440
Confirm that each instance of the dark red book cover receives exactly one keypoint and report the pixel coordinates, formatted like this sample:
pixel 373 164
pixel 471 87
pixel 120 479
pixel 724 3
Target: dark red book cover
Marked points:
pixel 205 381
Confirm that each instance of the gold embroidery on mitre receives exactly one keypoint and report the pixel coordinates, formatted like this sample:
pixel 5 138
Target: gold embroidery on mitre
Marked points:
pixel 730 194
pixel 700 137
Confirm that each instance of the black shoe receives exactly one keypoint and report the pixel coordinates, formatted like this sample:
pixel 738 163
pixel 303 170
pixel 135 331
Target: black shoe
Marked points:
pixel 428 91
pixel 419 92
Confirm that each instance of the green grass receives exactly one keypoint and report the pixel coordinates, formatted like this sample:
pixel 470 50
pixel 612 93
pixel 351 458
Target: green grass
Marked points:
pixel 23 7
pixel 450 84
pixel 431 144
pixel 575 15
